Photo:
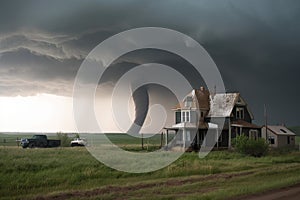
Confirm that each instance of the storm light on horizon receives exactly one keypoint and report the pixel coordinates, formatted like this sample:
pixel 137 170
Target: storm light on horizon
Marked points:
pixel 39 113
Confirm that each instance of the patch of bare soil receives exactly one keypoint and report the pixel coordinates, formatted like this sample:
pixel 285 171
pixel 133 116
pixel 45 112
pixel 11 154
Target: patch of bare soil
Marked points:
pixel 286 193
pixel 125 189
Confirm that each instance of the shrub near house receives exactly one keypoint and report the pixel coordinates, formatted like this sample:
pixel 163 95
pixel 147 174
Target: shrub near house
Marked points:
pixel 248 146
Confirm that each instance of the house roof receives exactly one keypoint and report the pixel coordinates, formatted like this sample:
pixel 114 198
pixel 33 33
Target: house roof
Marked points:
pixel 219 105
pixel 281 130
pixel 194 125
pixel 200 99
pixel 185 125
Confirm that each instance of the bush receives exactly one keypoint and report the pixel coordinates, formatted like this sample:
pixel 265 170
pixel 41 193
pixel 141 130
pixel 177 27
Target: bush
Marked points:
pixel 64 139
pixel 251 147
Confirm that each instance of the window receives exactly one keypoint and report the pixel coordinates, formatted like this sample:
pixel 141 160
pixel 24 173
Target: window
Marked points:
pixel 271 140
pixel 188 101
pixel 239 113
pixel 202 114
pixel 288 140
pixel 185 116
pixel 253 134
pixel 178 117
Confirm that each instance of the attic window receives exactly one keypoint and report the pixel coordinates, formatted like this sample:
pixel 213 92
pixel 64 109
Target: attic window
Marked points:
pixel 282 130
pixel 188 101
pixel 239 113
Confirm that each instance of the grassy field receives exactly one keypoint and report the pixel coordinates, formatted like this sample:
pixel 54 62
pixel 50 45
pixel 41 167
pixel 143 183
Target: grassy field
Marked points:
pixel 74 174
pixel 9 139
pixel 297 140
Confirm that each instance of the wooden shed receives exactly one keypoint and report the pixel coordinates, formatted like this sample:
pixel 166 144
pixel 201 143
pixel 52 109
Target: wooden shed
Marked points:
pixel 279 136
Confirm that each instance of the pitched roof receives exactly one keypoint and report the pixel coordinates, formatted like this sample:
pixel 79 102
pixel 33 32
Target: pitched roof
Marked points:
pixel 281 130
pixel 221 105
pixel 200 99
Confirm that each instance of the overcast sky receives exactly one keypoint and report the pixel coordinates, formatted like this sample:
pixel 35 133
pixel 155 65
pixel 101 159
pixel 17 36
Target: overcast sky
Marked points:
pixel 255 44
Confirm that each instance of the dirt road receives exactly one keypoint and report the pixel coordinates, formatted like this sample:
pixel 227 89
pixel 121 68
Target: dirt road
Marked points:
pixel 289 193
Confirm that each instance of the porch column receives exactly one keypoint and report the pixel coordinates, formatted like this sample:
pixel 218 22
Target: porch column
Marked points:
pixel 229 131
pixel 198 138
pixel 161 139
pixel 183 137
pixel 167 134
pixel 217 138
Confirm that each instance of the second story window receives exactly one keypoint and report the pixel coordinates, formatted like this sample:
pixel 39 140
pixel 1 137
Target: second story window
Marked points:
pixel 188 101
pixel 185 116
pixel 239 113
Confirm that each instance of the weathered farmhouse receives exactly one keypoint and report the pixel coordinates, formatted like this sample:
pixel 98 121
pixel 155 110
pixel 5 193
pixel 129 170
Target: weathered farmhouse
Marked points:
pixel 201 110
pixel 279 136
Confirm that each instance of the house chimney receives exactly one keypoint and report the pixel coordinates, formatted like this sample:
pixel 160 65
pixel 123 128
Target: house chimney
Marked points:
pixel 202 96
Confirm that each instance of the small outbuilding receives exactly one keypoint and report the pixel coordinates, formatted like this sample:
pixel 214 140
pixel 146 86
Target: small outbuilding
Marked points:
pixel 279 136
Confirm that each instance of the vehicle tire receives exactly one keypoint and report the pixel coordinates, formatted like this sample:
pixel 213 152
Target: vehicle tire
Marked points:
pixel 31 145
pixel 74 145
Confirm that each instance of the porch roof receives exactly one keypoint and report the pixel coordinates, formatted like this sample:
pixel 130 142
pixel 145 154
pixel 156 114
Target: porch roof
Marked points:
pixel 242 123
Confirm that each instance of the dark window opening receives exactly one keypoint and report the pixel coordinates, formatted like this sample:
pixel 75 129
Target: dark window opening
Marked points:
pixel 240 113
pixel 271 140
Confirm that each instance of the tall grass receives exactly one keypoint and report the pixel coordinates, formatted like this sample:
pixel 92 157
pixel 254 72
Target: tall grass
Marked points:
pixel 28 172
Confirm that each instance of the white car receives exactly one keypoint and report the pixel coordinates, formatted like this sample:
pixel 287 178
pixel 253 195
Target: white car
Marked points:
pixel 78 142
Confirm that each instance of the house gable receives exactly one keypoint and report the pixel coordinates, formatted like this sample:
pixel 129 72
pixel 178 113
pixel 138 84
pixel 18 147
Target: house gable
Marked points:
pixel 202 106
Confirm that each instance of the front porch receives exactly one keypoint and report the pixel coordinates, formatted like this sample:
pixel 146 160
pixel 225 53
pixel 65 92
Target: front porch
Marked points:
pixel 188 137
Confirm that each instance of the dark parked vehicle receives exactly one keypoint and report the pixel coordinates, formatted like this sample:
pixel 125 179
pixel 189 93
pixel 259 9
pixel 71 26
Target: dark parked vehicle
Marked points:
pixel 39 141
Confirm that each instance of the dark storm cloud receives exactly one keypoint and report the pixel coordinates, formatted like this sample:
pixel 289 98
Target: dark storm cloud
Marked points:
pixel 254 43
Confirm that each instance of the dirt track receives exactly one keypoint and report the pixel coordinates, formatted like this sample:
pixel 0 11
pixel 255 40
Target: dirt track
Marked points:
pixel 289 193
pixel 125 189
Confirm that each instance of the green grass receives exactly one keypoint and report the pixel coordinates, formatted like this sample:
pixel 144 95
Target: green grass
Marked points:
pixel 123 140
pixel 28 173
pixel 9 139
pixel 297 140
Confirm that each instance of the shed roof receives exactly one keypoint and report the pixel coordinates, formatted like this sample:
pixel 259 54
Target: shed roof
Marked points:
pixel 281 130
